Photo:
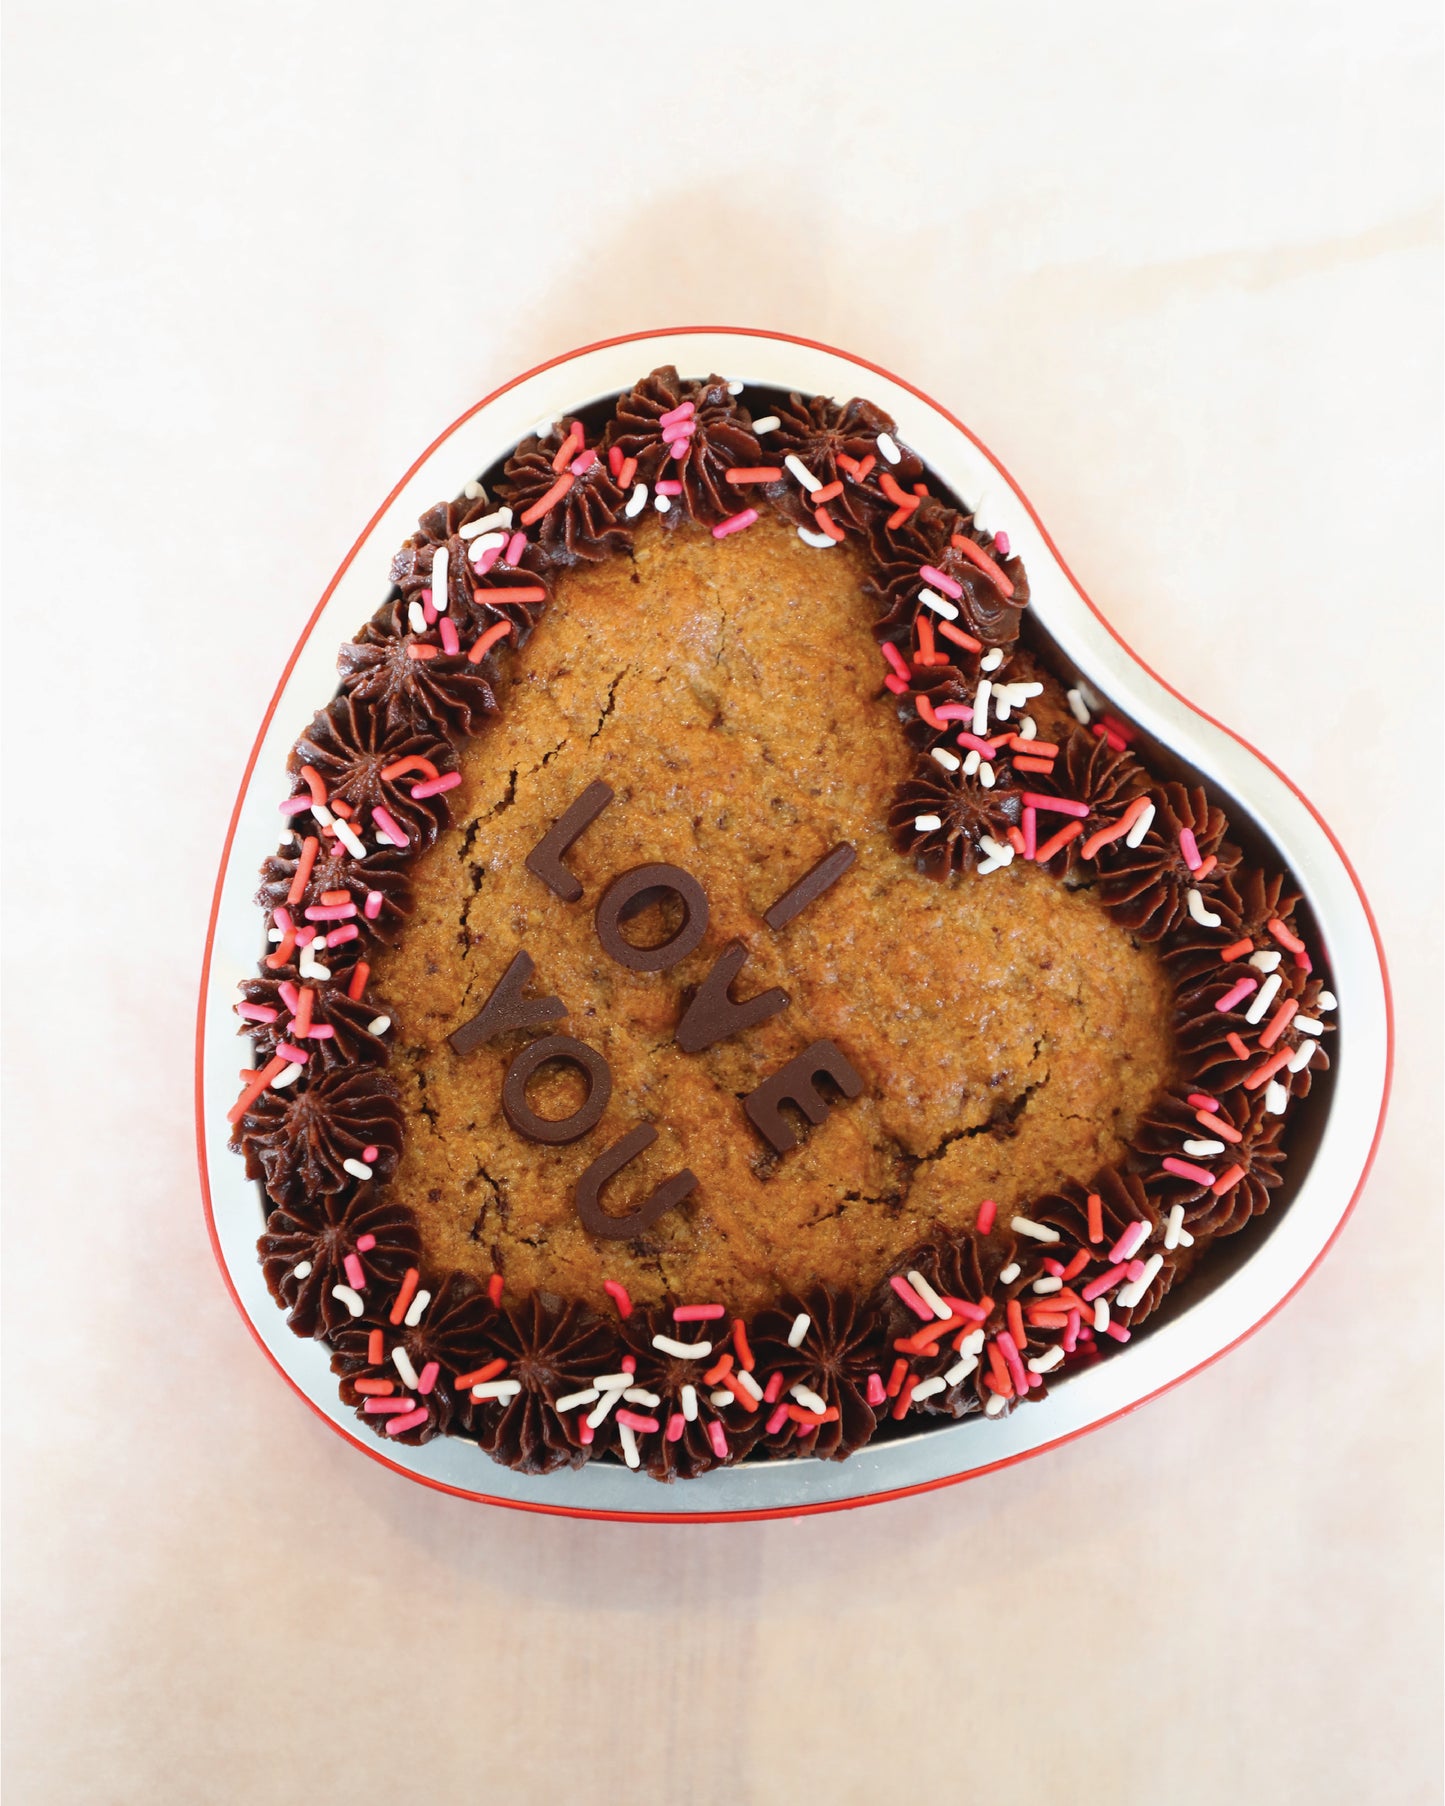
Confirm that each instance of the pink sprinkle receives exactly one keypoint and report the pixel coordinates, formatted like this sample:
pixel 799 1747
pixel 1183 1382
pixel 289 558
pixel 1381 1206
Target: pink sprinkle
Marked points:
pixel 1201 1102
pixel 931 575
pixel 294 805
pixel 676 1424
pixel 1236 993
pixel 289 995
pixel 1130 1241
pixel 1055 1267
pixel 957 711
pixel 1001 540
pixel 981 747
pixel 1135 1269
pixel 735 523
pixel 427 1378
pixel 678 434
pixel 1031 833
pixel 585 1433
pixel 717 1436
pixel 898 685
pixel 876 1394
pixel 614 460
pixel 435 786
pixel 895 658
pixel 1189 847
pixel 773 1391
pixel 365 1243
pixel 320 1031
pixel 516 546
pixel 777 1420
pixel 257 1012
pixel 584 462
pixel 1198 1175
pixel 428 608
pixel 371 909
pixel 629 1363
pixel 340 936
pixel 370 1155
pixel 1117 1331
pixel 388 1407
pixel 683 411
pixel 1008 1348
pixel 911 1298
pixel 398 1426
pixel 355 1273
pixel 1055 805
pixel 451 644
pixel 330 912
pixel 618 1293
pixel 305 936
pixel 670 487
pixel 1071 1334
pixel 987 1211
pixel 484 561
pixel 386 821
pixel 641 1424
pixel 1097 1287
pixel 285 1051
pixel 281 916
pixel 697 1313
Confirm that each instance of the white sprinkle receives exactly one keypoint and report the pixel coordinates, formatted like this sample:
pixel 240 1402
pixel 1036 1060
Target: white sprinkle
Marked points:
pixel 1047 1361
pixel 628 1439
pixel 797 468
pixel 980 707
pixel 439 572
pixel 613 1382
pixel 1173 1226
pixel 585 1397
pixel 639 1395
pixel 487 524
pixel 972 762
pixel 1039 1231
pixel 748 1383
pixel 1275 1098
pixel 496 1389
pixel 1202 1149
pixel 348 838
pixel 972 1343
pixel 1300 1058
pixel 1078 708
pixel 941 756
pixel 689 1403
pixel 418 1306
pixel 474 492
pixel 636 502
pixel 1135 836
pixel 1267 961
pixel 416 616
pixel 302 1270
pixel 808 1399
pixel 274 934
pixel 1327 1001
pixel 1101 1313
pixel 357 1168
pixel 1028 728
pixel 288 1076
pixel 929 1388
pixel 1049 1283
pixel 820 542
pixel 1206 918
pixel 1263 997
pixel 801 1325
pixel 940 605
pixel 544 427
pixel 986 777
pixel 1020 693
pixel 768 424
pixel 928 1295
pixel 1000 702
pixel 1007 1275
pixel 989 662
pixel 1307 1025
pixel 603 1406
pixel 323 815
pixel 998 856
pixel 684 1351
pixel 997 1403
pixel 721 1399
pixel 485 543
pixel 288 839
pixel 735 388
pixel 1129 1295
pixel 662 503
pixel 378 1025
pixel 888 446
pixel 961 1370
pixel 310 966
pixel 401 1360
pixel 927 824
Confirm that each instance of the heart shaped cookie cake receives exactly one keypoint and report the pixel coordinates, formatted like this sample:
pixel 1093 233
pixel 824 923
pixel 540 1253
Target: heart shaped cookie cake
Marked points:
pixel 727 995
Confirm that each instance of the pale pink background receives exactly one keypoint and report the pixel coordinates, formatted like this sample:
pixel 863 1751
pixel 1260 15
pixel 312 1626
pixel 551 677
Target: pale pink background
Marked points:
pixel 1179 268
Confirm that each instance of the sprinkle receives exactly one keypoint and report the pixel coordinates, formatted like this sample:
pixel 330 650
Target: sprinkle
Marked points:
pixel 1236 993
pixel 961 1370
pixel 1291 942
pixel 1037 1231
pixel 487 524
pixel 1267 993
pixel 1128 1296
pixel 618 1293
pixel 1241 1052
pixel 997 1403
pixel 288 1074
pixel 349 838
pixel 1097 1287
pixel 485 641
pixel 1287 1012
pixel 688 1398
pixel 819 541
pixel 545 503
pixel 418 1306
pixel 449 780
pixel 931 1298
pixel 439 575
pixel 928 1388
pixel 1262 962
pixel 980 707
pixel 357 1168
pixel 588 1395
pixel 1173 1226
pixel 428 1377
pixel 480 1375
pixel 257 1012
pixel 987 1211
pixel 735 523
pixel 949 585
pixel 1101 1314
pixel 639 1395
pixel 1182 1169
pixel 915 1304
pixel 1306 1025
pixel 1227 1180
pixel 796 468
pixel 889 448
pixel 1204 917
pixel 942 756
pixel 1302 1055
pixel 1057 842
pixel 388 825
pixel 1129 1242
pixel 1189 847
pixel 1048 1361
pixel 302 877
pixel 742 1346
pixel 717 1436
pixel 376 1388
pixel 1235 949
pixel 598 1413
pixel 904 1398
pixel 676 1425
pixel 401 1360
pixel 1007 1347
pixel 1058 805
pixel 302 1270
pixel 874 1392
pixel 801 1324
pixel 992 660
pixel 1048 1284
pixel 683 411
pixel 1007 1275
pixel 959 638
pixel 698 1313
pixel 1078 707
pixel 1142 824
pixel 931 599
pixel 499 1390
pixel 631 1421
pixel 894 657
pixel 927 824
pixel 762 473
pixel 1327 1001
pixel 405 1294
pixel 1275 1098
pixel 1203 1150
pixel 398 1426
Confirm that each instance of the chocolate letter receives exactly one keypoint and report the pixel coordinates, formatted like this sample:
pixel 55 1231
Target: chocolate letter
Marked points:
pixel 545 859
pixel 713 1015
pixel 631 891
pixel 596 1220
pixel 829 869
pixel 508 1008
pixel 795 1083
pixel 556 1131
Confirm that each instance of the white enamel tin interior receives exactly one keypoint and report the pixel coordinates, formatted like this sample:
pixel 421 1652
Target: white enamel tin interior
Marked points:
pixel 1222 1314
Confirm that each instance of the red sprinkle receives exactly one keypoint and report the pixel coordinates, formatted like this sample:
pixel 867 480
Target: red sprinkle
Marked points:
pixel 1237 950
pixel 905 1396
pixel 375 1348
pixel 959 637
pixel 1237 1046
pixel 545 503
pixel 741 1344
pixel 895 1379
pixel 359 975
pixel 761 473
pixel 494 1290
pixel 977 555
pixel 302 877
pixel 1055 805
pixel 1031 834
pixel 1227 1180
pixel 1057 842
pixel 1095 1209
pixel 618 1293
pixel 480 1375
pixel 1206 1119
pixel 987 1212
pixel 1262 1074
pixel 485 641
pixel 409 1281
pixel 1291 942
pixel 1279 1022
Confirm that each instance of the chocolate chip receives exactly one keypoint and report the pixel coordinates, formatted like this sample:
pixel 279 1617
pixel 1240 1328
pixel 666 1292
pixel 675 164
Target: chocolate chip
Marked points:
pixel 795 1084
pixel 606 1166
pixel 826 873
pixel 506 1008
pixel 713 1015
pixel 633 890
pixel 545 859
pixel 556 1131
